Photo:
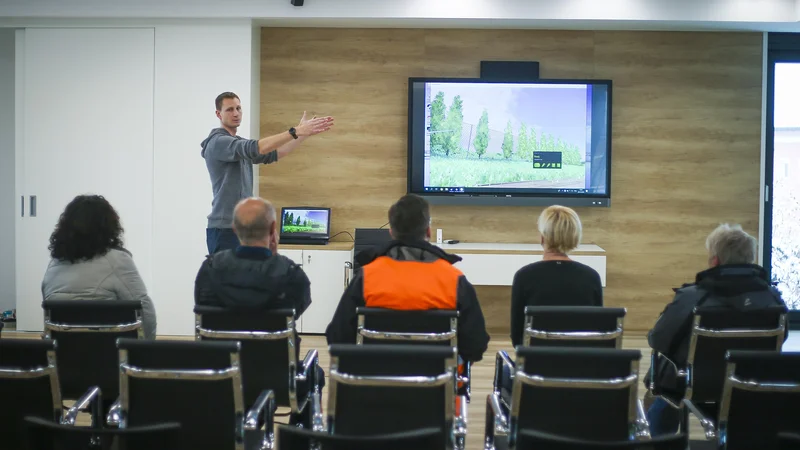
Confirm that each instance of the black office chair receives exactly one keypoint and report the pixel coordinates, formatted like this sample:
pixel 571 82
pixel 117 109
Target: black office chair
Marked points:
pixel 43 434
pixel 789 441
pixel 584 393
pixel 270 353
pixel 715 331
pixel 759 400
pixel 87 333
pixel 573 326
pixel 534 440
pixel 381 389
pixel 197 384
pixel 29 387
pixel 292 438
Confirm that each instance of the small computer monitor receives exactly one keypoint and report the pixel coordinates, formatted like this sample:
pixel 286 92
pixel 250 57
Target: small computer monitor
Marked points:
pixel 304 224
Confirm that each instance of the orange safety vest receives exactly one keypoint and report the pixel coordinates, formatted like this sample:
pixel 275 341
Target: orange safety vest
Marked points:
pixel 410 285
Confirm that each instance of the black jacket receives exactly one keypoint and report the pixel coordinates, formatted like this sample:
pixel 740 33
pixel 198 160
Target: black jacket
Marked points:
pixel 252 277
pixel 472 337
pixel 742 287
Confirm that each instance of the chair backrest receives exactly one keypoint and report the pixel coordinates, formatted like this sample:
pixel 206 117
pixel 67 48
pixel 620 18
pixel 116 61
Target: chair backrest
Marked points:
pixel 197 384
pixel 789 441
pixel 87 333
pixel 585 393
pixel 269 353
pixel 715 331
pixel 428 327
pixel 46 435
pixel 530 440
pixel 379 389
pixel 293 438
pixel 28 386
pixel 573 326
pixel 760 398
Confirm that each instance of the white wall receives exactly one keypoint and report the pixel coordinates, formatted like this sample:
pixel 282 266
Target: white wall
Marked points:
pixel 193 64
pixel 764 15
pixel 9 204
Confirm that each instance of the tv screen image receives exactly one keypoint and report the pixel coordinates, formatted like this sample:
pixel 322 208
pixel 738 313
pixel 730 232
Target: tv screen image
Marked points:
pixel 546 141
pixel 304 222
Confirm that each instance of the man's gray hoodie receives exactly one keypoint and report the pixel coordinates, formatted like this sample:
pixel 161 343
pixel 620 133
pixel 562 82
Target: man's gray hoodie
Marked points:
pixel 230 162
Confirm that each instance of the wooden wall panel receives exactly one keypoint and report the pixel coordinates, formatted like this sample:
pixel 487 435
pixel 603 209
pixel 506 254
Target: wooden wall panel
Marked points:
pixel 686 139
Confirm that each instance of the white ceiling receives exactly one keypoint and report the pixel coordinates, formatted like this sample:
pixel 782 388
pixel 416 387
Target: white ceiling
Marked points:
pixel 759 15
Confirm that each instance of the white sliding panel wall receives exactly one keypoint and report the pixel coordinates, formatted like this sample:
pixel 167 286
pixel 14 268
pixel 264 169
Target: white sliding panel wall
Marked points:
pixel 85 100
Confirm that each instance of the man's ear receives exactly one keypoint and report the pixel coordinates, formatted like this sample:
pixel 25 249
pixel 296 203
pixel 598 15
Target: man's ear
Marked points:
pixel 428 232
pixel 714 262
pixel 219 115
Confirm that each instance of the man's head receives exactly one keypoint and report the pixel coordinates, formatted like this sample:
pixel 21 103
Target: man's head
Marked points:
pixel 254 223
pixel 729 244
pixel 229 110
pixel 410 219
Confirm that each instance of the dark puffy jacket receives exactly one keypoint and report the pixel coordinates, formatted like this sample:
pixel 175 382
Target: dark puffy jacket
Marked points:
pixel 252 277
pixel 412 276
pixel 742 287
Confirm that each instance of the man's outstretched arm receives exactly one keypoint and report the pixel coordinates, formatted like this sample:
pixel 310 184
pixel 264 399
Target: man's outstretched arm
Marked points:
pixel 285 142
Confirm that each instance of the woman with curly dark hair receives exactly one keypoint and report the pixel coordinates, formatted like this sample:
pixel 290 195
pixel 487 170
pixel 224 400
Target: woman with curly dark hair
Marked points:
pixel 89 260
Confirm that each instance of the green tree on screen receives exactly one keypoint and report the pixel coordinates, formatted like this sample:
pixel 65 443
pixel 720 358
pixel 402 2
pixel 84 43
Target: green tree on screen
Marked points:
pixel 508 141
pixel 297 222
pixel 290 218
pixel 481 141
pixel 453 125
pixel 437 123
pixel 523 144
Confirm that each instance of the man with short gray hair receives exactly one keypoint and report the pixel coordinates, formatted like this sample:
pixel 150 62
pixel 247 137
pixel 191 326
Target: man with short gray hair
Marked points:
pixel 253 275
pixel 734 281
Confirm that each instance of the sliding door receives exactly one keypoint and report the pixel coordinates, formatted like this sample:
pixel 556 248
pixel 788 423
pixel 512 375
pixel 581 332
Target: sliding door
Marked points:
pixel 86 127
pixel 782 169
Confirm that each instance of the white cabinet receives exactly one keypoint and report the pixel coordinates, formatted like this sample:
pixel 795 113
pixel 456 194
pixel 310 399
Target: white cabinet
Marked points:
pixel 328 273
pixel 85 126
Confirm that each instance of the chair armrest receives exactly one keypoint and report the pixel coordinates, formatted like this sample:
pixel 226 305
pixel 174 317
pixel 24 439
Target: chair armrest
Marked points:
pixel 464 378
pixel 91 398
pixel 658 359
pixel 502 360
pixel 311 361
pixel 317 421
pixel 461 421
pixel 641 426
pixel 709 427
pixel 114 416
pixel 265 404
pixel 496 421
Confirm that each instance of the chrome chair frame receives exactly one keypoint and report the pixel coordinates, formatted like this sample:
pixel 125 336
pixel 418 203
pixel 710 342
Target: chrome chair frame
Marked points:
pixel 707 423
pixel 264 407
pixel 50 326
pixel 310 361
pixel 451 335
pixel 458 428
pixel 531 333
pixel 502 419
pixel 90 399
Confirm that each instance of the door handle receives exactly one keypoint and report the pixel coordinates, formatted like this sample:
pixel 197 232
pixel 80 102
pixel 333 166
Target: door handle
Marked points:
pixel 22 206
pixel 32 208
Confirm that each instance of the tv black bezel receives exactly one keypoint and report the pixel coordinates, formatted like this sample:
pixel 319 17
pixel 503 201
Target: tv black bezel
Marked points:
pixel 505 198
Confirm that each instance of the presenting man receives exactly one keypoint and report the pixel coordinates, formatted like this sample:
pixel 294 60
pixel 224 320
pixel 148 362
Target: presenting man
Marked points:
pixel 229 159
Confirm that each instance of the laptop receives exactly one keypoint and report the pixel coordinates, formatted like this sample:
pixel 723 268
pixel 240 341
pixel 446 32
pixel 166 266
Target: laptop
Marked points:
pixel 305 225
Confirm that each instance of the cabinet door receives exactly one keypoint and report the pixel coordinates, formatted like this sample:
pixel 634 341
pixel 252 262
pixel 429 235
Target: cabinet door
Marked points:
pixel 87 128
pixel 326 270
pixel 297 257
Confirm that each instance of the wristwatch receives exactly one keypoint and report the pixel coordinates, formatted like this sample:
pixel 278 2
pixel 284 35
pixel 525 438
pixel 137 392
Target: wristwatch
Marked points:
pixel 293 132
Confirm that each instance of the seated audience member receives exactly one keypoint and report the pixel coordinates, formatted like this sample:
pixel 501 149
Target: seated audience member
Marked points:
pixel 89 261
pixel 411 274
pixel 733 281
pixel 253 275
pixel 556 280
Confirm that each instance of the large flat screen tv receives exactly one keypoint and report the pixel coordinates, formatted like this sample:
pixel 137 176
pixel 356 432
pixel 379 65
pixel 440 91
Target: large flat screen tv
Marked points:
pixel 480 142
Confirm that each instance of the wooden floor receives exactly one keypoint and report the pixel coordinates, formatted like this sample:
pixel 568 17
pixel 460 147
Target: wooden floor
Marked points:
pixel 482 374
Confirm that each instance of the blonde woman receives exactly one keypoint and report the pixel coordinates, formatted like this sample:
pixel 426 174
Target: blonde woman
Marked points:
pixel 557 280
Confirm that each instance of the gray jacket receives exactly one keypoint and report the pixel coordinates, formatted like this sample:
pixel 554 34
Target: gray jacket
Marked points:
pixel 112 276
